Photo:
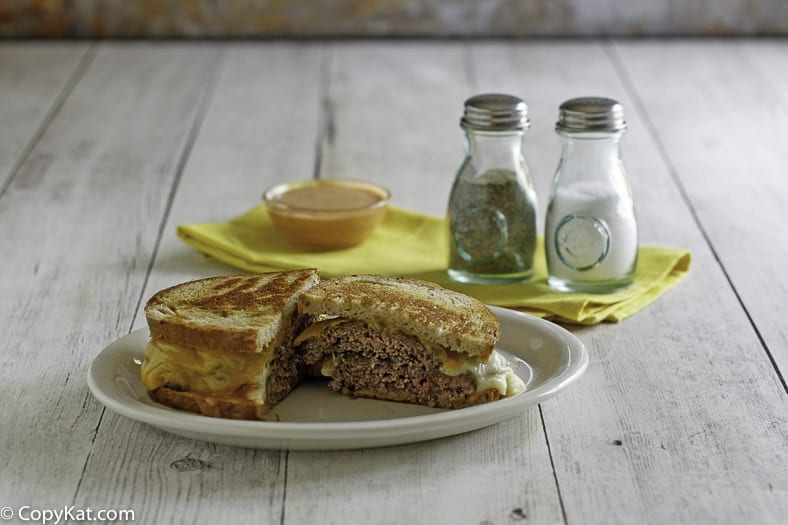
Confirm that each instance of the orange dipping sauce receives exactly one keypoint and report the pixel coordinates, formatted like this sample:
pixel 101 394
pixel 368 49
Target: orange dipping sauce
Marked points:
pixel 329 197
pixel 326 214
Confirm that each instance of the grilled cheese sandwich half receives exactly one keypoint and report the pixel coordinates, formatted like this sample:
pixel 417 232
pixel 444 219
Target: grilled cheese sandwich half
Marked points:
pixel 222 346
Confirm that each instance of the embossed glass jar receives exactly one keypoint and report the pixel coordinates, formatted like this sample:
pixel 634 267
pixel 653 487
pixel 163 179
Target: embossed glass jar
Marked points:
pixel 591 238
pixel 492 206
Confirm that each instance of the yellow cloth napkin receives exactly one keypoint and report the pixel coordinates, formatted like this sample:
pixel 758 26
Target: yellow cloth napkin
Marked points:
pixel 413 244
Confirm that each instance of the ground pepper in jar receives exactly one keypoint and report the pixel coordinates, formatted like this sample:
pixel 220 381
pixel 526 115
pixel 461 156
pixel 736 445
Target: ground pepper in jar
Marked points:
pixel 494 225
pixel 492 207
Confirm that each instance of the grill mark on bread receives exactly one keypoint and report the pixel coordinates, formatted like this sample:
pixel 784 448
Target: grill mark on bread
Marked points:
pixel 241 313
pixel 241 293
pixel 231 294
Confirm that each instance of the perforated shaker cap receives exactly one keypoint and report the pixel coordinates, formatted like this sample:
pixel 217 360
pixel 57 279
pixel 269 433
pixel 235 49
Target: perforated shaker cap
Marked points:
pixel 591 114
pixel 495 112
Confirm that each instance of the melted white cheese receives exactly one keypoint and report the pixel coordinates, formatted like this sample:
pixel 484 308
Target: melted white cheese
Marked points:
pixel 494 374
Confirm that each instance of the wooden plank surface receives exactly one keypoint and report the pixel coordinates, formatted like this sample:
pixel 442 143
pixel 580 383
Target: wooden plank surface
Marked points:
pixel 499 474
pixel 392 114
pixel 34 79
pixel 730 126
pixel 651 377
pixel 255 132
pixel 79 222
pixel 394 111
pixel 681 416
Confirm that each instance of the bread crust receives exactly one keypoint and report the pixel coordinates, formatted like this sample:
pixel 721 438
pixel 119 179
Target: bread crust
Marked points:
pixel 434 314
pixel 213 405
pixel 238 313
pixel 203 338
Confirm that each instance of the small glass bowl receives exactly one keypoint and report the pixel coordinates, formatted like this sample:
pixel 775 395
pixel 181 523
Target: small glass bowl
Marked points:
pixel 326 214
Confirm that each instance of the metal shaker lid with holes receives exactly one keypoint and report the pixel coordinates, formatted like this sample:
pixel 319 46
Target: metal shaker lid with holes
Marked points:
pixel 495 112
pixel 591 114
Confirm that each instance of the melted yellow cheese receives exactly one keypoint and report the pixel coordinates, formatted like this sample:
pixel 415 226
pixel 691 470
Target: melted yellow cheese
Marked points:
pixel 198 371
pixel 317 328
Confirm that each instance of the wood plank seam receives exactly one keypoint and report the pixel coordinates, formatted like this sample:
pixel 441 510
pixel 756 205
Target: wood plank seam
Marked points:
pixel 326 124
pixel 469 66
pixel 68 87
pixel 552 464
pixel 618 64
pixel 194 132
pixel 284 489
pixel 88 456
pixel 202 110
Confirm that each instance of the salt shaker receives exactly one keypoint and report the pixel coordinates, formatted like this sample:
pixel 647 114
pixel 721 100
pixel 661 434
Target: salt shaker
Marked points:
pixel 591 239
pixel 492 206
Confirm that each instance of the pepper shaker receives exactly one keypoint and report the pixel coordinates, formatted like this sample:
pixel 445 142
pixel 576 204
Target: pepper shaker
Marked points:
pixel 492 206
pixel 591 239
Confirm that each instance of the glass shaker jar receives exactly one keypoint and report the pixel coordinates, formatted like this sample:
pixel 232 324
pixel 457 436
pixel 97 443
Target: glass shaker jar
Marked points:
pixel 591 238
pixel 492 206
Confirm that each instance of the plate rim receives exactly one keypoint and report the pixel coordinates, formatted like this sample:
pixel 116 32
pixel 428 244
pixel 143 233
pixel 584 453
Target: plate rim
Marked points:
pixel 445 423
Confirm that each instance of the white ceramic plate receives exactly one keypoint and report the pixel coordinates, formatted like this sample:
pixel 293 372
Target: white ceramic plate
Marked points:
pixel 313 417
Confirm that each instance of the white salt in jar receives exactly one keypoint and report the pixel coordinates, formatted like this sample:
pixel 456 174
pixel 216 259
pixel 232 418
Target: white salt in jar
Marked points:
pixel 591 239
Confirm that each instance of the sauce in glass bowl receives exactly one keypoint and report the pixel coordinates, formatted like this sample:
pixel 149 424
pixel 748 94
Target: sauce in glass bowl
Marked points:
pixel 326 214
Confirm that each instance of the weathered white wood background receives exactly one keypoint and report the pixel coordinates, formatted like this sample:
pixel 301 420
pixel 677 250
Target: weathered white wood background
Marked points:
pixel 105 147
pixel 390 18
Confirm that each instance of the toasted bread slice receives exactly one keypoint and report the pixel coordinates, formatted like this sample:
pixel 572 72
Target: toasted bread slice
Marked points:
pixel 435 315
pixel 235 313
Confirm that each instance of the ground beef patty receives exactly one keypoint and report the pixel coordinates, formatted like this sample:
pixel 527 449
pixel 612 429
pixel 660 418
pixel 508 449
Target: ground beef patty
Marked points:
pixel 286 371
pixel 392 366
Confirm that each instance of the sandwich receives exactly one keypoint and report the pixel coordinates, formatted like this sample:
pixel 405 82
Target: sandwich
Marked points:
pixel 405 340
pixel 222 346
